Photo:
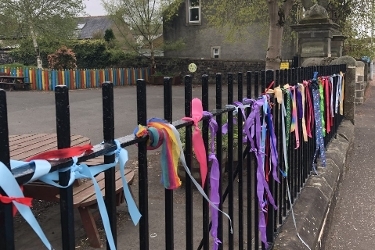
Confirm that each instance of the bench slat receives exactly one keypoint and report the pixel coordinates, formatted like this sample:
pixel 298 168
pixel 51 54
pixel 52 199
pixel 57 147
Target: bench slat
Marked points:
pixel 84 195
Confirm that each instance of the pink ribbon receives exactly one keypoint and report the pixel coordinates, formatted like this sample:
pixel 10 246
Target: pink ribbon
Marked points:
pixel 198 145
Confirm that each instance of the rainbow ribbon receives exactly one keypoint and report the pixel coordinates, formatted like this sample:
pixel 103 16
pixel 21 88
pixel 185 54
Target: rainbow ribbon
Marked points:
pixel 161 133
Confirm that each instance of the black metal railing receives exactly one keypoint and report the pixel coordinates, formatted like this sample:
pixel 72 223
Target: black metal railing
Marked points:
pixel 237 190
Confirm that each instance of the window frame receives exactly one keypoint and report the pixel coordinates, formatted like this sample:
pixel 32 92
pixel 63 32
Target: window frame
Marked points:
pixel 188 14
pixel 213 53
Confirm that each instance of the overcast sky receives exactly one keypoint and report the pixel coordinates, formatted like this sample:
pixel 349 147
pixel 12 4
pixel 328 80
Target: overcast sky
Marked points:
pixel 94 7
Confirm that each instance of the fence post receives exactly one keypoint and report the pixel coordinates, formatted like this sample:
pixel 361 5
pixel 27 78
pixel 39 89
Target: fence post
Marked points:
pixel 188 157
pixel 142 165
pixel 63 141
pixel 109 174
pixel 169 232
pixel 6 216
pixel 349 93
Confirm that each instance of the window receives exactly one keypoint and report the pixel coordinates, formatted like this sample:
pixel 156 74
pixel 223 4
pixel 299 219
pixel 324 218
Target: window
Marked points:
pixel 194 11
pixel 215 52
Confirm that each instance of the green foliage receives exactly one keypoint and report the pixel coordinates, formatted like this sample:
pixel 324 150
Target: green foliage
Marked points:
pixel 25 53
pixel 109 35
pixel 140 23
pixel 234 19
pixel 63 58
pixel 89 54
pixel 37 19
pixel 358 27
pixel 13 65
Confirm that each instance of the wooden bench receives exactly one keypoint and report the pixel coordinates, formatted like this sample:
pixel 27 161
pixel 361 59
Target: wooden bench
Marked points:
pixel 13 82
pixel 84 198
pixel 8 86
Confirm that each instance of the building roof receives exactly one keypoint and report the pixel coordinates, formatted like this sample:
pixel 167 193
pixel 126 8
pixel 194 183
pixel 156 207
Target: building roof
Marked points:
pixel 87 27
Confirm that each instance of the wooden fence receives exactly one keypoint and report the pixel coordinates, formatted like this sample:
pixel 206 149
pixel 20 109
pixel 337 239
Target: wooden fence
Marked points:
pixel 46 79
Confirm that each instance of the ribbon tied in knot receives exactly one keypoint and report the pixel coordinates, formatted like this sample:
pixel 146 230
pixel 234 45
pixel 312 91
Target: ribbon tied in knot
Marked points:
pixel 162 133
pixel 198 145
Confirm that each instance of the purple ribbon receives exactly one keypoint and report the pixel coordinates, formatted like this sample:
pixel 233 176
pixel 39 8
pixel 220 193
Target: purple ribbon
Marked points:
pixel 214 181
pixel 299 103
pixel 253 128
pixel 274 154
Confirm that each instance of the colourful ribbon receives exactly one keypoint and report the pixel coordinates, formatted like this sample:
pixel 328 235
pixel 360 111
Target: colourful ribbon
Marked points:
pixel 198 145
pixel 160 133
pixel 303 102
pixel 253 128
pixel 318 125
pixel 294 124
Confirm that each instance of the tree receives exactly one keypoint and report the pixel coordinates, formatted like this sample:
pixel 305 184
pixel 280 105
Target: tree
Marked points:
pixel 63 58
pixel 235 16
pixel 359 28
pixel 109 35
pixel 50 19
pixel 140 22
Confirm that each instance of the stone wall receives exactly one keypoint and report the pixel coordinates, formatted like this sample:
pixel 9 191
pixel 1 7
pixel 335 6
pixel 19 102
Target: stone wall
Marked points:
pixel 179 66
pixel 361 83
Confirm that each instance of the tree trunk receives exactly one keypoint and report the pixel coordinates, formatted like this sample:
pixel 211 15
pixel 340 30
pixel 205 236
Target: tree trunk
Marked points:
pixel 277 19
pixel 36 48
pixel 152 57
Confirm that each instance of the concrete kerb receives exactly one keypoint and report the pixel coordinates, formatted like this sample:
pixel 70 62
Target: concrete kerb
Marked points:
pixel 317 199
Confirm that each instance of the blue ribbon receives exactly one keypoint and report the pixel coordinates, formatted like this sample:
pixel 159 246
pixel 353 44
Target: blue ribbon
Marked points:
pixel 10 186
pixel 78 171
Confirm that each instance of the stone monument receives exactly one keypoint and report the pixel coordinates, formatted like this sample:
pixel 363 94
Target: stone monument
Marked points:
pixel 318 35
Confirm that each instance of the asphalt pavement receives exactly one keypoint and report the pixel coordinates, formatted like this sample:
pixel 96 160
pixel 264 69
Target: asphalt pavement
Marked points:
pixel 353 223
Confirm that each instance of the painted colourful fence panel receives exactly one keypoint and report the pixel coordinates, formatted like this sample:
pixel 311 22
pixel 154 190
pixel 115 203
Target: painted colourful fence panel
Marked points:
pixel 46 79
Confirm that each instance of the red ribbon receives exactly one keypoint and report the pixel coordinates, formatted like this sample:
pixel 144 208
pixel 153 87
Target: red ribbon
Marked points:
pixel 63 153
pixel 22 200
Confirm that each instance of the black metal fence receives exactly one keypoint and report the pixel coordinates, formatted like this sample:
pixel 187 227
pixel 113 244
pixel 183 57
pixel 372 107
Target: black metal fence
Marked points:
pixel 238 185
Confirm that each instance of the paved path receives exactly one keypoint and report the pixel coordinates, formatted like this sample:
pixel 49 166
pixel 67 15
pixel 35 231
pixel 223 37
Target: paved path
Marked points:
pixel 353 224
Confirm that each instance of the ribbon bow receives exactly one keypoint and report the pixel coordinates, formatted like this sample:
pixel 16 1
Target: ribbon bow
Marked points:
pixel 198 145
pixel 78 171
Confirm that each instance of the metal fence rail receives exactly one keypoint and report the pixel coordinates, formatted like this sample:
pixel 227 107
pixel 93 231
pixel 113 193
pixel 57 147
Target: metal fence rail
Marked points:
pixel 238 190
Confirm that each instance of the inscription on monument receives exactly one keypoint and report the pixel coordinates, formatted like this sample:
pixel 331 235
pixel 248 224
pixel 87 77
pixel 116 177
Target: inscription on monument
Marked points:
pixel 313 49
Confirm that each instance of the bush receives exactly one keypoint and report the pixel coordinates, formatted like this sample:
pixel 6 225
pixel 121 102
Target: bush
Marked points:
pixel 90 54
pixel 63 58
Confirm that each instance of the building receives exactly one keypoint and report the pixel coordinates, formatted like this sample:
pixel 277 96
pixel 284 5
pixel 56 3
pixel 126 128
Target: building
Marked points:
pixel 204 41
